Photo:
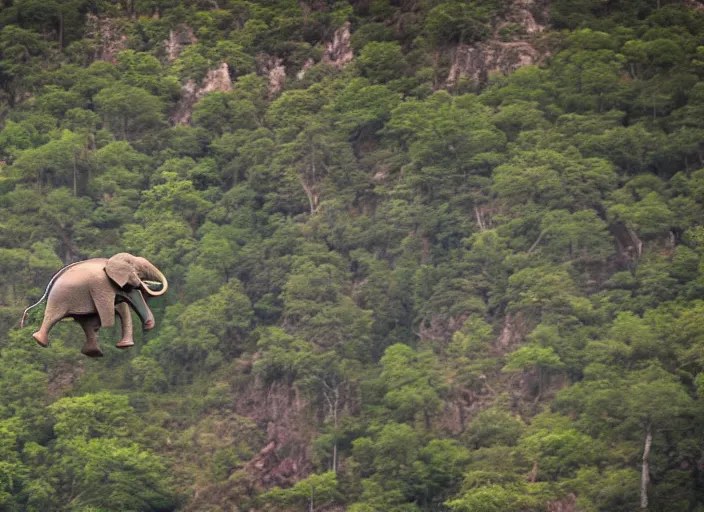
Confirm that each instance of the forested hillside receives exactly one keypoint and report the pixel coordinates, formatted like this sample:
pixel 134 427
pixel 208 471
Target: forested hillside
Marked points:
pixel 423 255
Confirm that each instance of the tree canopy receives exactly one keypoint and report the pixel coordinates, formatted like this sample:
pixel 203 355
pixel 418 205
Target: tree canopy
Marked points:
pixel 408 271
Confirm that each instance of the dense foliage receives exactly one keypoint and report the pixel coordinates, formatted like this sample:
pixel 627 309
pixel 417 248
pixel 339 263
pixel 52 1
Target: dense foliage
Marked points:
pixel 385 294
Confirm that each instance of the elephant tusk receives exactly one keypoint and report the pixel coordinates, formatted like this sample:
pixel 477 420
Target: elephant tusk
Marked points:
pixel 155 288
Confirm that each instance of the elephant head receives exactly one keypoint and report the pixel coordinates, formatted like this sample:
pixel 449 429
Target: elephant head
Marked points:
pixel 136 272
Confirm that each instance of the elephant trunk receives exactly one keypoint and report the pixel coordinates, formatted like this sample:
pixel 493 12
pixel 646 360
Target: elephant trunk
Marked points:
pixel 151 272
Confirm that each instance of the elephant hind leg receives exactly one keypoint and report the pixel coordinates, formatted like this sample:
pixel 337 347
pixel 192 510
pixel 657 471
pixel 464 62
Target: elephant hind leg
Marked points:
pixel 40 338
pixel 91 326
pixel 52 315
pixel 126 322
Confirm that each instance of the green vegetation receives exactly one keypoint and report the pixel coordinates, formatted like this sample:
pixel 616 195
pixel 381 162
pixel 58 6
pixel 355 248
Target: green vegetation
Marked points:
pixel 385 294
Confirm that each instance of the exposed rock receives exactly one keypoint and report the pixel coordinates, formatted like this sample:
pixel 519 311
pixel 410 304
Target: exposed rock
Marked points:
pixel 285 458
pixel 521 13
pixel 440 329
pixel 306 66
pixel 628 245
pixel 277 77
pixel 217 80
pixel 567 504
pixel 274 69
pixel 380 176
pixel 179 37
pixel 483 215
pixel 338 52
pixel 694 4
pixel 512 333
pixel 476 62
pixel 108 37
pixel 664 244
pixel 62 377
pixel 184 109
pixel 463 405
pixel 272 470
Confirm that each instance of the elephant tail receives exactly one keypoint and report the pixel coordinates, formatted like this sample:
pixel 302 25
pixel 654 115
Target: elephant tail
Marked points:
pixel 46 292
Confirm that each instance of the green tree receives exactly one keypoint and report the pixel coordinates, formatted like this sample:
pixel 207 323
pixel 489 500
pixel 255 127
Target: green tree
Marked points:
pixel 129 109
pixel 381 62
pixel 457 23
pixel 412 382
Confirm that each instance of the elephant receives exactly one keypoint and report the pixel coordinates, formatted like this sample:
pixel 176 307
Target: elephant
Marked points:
pixel 91 291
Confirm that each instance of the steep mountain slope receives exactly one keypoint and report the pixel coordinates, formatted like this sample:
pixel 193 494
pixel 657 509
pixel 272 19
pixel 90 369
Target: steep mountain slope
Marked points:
pixel 423 255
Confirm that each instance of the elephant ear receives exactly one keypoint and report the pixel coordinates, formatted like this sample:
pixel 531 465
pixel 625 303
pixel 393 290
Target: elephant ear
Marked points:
pixel 121 270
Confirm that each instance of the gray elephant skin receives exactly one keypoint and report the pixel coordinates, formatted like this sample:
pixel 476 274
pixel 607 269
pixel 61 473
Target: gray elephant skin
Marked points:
pixel 92 291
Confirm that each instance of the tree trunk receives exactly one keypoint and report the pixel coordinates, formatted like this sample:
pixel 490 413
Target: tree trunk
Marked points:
pixel 334 456
pixel 75 176
pixel 533 473
pixel 540 386
pixel 645 473
pixel 61 29
pixel 310 194
pixel 480 221
pixel 537 241
pixel 334 412
pixel 332 397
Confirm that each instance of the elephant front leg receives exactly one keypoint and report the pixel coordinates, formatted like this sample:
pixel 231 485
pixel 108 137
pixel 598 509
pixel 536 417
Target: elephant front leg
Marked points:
pixel 91 326
pixel 126 322
pixel 136 300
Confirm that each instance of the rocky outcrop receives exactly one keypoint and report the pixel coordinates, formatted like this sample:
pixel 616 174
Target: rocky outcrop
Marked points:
pixel 477 62
pixel 63 376
pixel 285 457
pixel 306 66
pixel 521 14
pixel 512 333
pixel 511 47
pixel 567 504
pixel 179 38
pixel 338 52
pixel 628 245
pixel 217 80
pixel 440 329
pixel 275 70
pixel 694 4
pixel 108 37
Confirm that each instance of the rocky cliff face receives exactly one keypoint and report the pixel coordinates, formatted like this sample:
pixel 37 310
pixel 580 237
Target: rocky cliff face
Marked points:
pixel 274 69
pixel 179 38
pixel 108 37
pixel 338 52
pixel 217 80
pixel 512 46
pixel 477 62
